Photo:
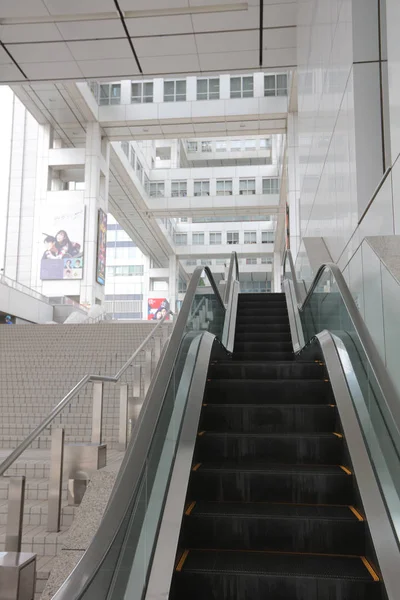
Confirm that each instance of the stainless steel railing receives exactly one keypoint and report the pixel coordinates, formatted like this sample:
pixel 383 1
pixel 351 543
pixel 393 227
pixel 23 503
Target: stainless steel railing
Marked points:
pixel 142 375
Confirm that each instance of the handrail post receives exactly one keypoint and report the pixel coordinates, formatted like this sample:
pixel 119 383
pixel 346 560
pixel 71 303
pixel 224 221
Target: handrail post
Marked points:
pixel 137 381
pixel 15 513
pixel 157 349
pixel 147 370
pixel 123 417
pixel 97 416
pixel 55 480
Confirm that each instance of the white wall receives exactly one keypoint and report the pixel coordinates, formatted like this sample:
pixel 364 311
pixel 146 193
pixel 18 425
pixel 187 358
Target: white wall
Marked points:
pixel 340 158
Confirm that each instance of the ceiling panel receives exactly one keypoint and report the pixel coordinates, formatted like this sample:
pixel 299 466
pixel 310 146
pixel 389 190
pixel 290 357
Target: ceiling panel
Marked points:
pixel 4 57
pixel 149 5
pixel 227 21
pixel 13 8
pixel 9 72
pixel 122 67
pixel 225 61
pixel 177 128
pixel 284 57
pixel 29 32
pixel 170 64
pixel 52 70
pixel 227 42
pixel 41 52
pixel 84 30
pixel 100 49
pixel 160 25
pixel 280 15
pixel 79 7
pixel 165 46
pixel 280 38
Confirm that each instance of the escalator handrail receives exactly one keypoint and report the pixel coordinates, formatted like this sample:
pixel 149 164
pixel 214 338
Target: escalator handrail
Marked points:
pixel 130 473
pixel 231 276
pixel 385 384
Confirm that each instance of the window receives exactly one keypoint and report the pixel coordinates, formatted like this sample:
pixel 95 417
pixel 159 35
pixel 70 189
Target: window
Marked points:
pixel 181 239
pixel 267 237
pixel 236 146
pixel 125 271
pixel 139 170
pixel 179 189
pixel 208 89
pixel 275 85
pixel 220 146
pixel 206 263
pixel 156 189
pixel 222 261
pixel 271 185
pixel 142 92
pixel 132 158
pixel 251 261
pixel 183 220
pixel 232 237
pixel 110 93
pixel 250 145
pixel 250 237
pixel 191 146
pixel 163 153
pixel 198 239
pixel 266 144
pixel 215 238
pixel 224 187
pixel 247 187
pixel 242 87
pixel 125 148
pixel 191 263
pixel 266 260
pixel 201 188
pixel 206 147
pixel 175 91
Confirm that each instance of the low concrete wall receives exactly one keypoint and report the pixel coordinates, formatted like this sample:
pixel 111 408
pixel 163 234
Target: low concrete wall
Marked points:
pixel 19 304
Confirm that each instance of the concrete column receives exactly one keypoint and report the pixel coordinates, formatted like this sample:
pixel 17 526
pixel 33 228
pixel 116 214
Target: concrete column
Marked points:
pixel 293 184
pixel 158 90
pixel 277 273
pixel 224 87
pixel 95 197
pixel 126 92
pixel 191 89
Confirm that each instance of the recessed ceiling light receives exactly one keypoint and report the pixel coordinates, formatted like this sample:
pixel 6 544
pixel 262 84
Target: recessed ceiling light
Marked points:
pixel 145 130
pixel 242 125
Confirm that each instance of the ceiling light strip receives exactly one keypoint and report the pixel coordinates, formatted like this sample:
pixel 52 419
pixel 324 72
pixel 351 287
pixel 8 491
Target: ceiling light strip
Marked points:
pixel 13 59
pixel 121 16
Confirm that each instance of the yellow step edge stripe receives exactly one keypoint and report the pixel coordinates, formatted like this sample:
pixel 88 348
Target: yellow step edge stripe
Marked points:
pixel 346 470
pixel 356 513
pixel 370 569
pixel 190 508
pixel 196 467
pixel 201 433
pixel 182 561
pixel 339 435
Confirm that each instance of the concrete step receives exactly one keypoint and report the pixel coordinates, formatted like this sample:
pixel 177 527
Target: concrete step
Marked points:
pixel 38 540
pixel 36 512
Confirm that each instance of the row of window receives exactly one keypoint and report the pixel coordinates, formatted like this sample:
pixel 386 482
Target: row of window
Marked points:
pixel 264 260
pixel 224 146
pixel 232 237
pixel 125 270
pixel 142 92
pixel 224 187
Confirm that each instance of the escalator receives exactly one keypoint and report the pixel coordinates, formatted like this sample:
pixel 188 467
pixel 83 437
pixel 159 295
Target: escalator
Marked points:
pixel 265 462
pixel 273 510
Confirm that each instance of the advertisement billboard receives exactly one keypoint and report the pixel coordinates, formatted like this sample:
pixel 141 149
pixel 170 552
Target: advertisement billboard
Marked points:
pixel 101 248
pixel 157 308
pixel 62 236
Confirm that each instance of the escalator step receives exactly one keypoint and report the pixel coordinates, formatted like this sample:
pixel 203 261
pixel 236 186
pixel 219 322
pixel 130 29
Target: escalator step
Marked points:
pixel 294 449
pixel 265 328
pixel 216 574
pixel 270 418
pixel 266 319
pixel 274 356
pixel 260 336
pixel 262 370
pixel 250 305
pixel 277 527
pixel 268 391
pixel 232 481
pixel 257 346
pixel 270 311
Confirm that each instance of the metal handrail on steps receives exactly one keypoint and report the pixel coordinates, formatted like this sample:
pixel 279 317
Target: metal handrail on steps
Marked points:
pixel 17 484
